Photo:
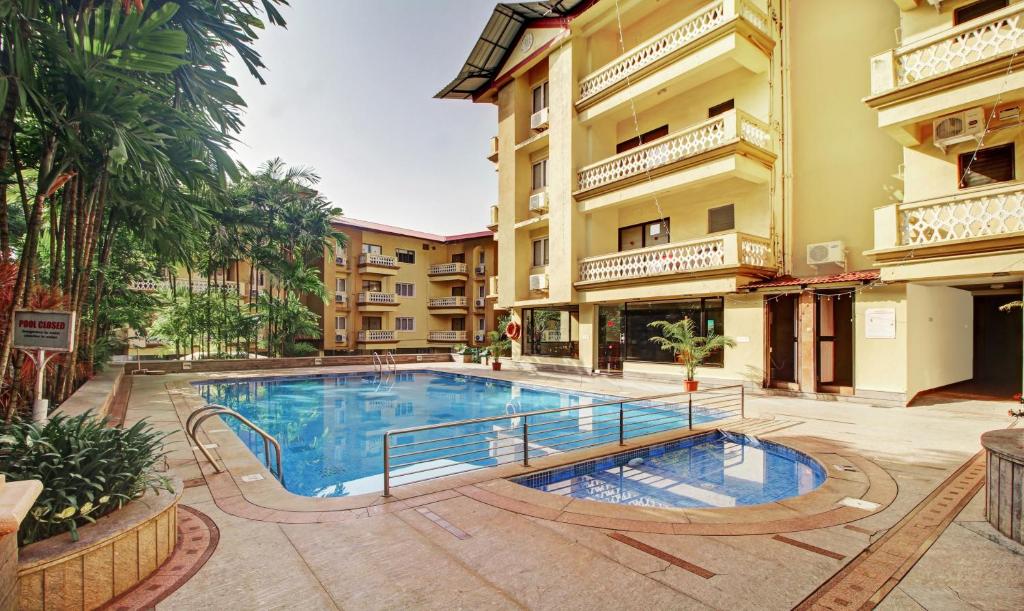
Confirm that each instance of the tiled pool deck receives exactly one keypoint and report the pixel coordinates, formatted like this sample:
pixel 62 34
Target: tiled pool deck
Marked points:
pixel 476 541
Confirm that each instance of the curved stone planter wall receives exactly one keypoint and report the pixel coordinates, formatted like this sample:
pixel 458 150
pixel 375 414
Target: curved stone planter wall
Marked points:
pixel 110 557
pixel 1004 505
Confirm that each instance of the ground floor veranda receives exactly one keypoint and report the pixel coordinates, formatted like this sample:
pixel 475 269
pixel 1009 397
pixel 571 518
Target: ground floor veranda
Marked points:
pixel 459 546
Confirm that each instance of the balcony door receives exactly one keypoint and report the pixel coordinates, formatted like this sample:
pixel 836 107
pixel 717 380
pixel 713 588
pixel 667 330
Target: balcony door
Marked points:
pixel 458 324
pixel 372 323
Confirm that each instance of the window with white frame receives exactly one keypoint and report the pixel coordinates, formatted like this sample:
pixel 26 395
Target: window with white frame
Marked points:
pixel 340 285
pixel 340 324
pixel 480 292
pixel 405 323
pixel 540 97
pixel 371 249
pixel 405 289
pixel 481 324
pixel 540 252
pixel 405 256
pixel 540 175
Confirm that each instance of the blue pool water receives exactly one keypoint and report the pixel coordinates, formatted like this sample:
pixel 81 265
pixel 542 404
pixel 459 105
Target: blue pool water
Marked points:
pixel 714 469
pixel 331 426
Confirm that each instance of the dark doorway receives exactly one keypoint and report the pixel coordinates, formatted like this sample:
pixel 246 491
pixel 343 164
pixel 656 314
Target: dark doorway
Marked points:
pixel 997 347
pixel 835 340
pixel 609 337
pixel 782 339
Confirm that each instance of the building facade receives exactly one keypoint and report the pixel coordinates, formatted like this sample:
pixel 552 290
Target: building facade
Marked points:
pixel 770 173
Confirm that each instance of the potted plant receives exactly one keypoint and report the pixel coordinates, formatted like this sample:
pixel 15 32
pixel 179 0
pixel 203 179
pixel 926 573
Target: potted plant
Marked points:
pixel 499 345
pixel 464 350
pixel 690 349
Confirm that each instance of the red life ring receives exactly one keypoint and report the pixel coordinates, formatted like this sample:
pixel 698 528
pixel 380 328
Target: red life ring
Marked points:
pixel 512 330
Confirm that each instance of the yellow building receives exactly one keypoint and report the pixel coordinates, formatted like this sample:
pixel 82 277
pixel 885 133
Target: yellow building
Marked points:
pixel 717 160
pixel 405 290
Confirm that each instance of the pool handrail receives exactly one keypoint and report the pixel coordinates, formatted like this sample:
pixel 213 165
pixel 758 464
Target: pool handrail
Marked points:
pixel 621 402
pixel 200 415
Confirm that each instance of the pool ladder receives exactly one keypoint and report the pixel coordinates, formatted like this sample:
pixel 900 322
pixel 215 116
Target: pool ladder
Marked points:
pixel 208 411
pixel 386 362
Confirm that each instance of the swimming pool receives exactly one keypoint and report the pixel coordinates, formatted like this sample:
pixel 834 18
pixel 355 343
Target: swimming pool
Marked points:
pixel 331 426
pixel 715 469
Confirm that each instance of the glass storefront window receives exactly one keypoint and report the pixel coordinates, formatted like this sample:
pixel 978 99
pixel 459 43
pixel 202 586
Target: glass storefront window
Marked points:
pixel 551 332
pixel 707 314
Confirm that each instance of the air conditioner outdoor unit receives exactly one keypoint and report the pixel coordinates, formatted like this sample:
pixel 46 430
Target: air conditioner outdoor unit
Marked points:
pixel 480 336
pixel 539 119
pixel 538 282
pixel 339 337
pixel 826 252
pixel 481 269
pixel 539 201
pixel 480 302
pixel 960 127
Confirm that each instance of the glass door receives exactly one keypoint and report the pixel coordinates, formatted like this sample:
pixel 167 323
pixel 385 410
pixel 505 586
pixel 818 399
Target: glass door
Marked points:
pixel 610 337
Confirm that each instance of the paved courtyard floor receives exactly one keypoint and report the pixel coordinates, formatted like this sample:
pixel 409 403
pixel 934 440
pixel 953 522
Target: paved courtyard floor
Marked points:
pixel 459 552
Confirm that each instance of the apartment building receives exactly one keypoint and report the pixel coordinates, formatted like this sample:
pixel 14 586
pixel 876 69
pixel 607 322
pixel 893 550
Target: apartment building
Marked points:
pixel 770 173
pixel 406 291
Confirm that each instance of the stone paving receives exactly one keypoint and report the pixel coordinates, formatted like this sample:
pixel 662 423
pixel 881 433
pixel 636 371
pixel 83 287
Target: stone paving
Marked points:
pixel 456 551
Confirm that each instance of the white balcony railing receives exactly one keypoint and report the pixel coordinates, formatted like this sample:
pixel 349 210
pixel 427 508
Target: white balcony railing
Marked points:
pixel 1000 33
pixel 198 285
pixel 376 335
pixel 728 250
pixel 978 215
pixel 668 42
pixel 446 336
pixel 715 132
pixel 443 269
pixel 373 297
pixel 378 260
pixel 447 302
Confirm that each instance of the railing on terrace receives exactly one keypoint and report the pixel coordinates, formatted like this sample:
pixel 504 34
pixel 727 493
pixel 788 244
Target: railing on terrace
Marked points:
pixel 378 260
pixel 1000 33
pixel 447 302
pixel 667 43
pixel 198 285
pixel 376 335
pixel 718 131
pixel 446 336
pixel 978 215
pixel 713 252
pixel 373 297
pixel 435 450
pixel 440 269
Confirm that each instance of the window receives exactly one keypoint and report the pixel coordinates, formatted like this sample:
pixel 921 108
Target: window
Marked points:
pixel 458 291
pixel 718 109
pixel 977 9
pixel 540 97
pixel 551 332
pixel 340 323
pixel 458 324
pixel 481 324
pixel 482 259
pixel 459 257
pixel 405 256
pixel 540 252
pixel 372 249
pixel 372 323
pixel 405 289
pixel 722 218
pixel 372 286
pixel 480 292
pixel 339 250
pixel 644 138
pixel 991 165
pixel 652 233
pixel 706 313
pixel 340 285
pixel 405 323
pixel 540 175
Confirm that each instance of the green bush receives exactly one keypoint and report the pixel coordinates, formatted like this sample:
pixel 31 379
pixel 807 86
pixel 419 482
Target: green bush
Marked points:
pixel 87 469
pixel 301 349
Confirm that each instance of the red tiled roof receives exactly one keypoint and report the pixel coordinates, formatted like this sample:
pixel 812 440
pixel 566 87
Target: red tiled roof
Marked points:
pixel 867 275
pixel 412 233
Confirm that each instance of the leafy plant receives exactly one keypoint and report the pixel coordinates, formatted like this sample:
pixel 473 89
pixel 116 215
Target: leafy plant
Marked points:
pixel 87 469
pixel 301 349
pixel 499 343
pixel 690 349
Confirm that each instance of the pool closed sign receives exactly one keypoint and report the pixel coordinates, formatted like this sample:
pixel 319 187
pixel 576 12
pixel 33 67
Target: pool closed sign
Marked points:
pixel 50 330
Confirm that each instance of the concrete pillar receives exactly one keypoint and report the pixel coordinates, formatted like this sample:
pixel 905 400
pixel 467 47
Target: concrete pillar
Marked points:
pixel 808 342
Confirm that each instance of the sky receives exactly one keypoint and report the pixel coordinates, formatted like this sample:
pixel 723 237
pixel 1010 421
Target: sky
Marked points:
pixel 349 91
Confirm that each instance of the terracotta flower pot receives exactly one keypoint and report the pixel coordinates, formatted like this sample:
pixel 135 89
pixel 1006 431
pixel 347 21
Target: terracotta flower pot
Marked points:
pixel 496 365
pixel 690 385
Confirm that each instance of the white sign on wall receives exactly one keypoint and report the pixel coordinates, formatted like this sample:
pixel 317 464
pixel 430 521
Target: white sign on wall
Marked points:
pixel 51 330
pixel 880 323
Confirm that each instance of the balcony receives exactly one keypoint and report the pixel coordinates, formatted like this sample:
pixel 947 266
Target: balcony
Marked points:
pixel 709 256
pixel 448 272
pixel 493 225
pixel 376 336
pixel 448 305
pixel 722 36
pixel 968 64
pixel 446 336
pixel 492 152
pixel 199 285
pixel 374 301
pixel 731 145
pixel 492 287
pixel 979 221
pixel 381 265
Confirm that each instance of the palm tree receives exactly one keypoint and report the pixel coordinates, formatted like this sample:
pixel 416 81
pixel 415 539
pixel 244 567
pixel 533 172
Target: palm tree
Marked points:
pixel 689 348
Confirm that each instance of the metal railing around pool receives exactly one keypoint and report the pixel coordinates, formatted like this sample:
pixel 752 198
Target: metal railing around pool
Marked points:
pixel 533 434
pixel 201 414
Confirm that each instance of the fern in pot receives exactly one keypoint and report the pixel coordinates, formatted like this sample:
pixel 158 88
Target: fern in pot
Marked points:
pixel 690 349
